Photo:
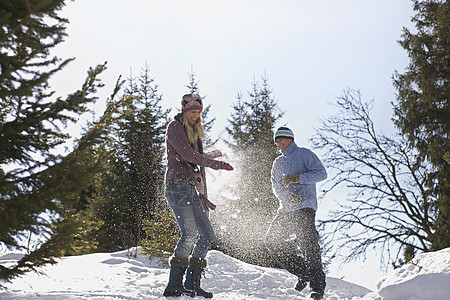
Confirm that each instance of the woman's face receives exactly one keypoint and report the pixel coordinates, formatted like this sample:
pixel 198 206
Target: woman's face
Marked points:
pixel 193 116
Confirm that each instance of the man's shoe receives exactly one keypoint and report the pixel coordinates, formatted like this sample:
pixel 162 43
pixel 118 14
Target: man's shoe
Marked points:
pixel 301 284
pixel 316 296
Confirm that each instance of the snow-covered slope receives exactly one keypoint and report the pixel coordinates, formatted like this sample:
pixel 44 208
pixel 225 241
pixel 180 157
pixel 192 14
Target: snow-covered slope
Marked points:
pixel 427 276
pixel 115 276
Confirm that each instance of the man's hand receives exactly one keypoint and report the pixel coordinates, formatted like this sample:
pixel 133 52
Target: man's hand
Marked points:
pixel 290 179
pixel 293 200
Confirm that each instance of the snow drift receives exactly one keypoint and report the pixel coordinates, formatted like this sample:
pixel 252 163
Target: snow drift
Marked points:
pixel 115 276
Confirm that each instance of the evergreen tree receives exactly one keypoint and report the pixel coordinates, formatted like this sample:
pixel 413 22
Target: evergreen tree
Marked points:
pixel 132 188
pixel 30 28
pixel 162 235
pixel 207 124
pixel 247 219
pixel 422 110
pixel 39 182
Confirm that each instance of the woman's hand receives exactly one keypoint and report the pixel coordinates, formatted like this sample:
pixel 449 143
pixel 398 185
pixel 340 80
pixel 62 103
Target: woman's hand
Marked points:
pixel 226 166
pixel 214 154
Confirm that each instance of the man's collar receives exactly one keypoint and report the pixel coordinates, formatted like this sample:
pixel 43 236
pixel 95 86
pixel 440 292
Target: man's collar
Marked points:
pixel 289 149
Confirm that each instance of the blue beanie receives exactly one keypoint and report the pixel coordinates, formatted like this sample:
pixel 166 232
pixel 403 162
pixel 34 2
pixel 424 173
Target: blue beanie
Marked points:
pixel 283 133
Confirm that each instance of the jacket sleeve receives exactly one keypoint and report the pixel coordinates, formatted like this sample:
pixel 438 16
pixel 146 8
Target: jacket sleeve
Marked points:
pixel 176 136
pixel 315 170
pixel 276 176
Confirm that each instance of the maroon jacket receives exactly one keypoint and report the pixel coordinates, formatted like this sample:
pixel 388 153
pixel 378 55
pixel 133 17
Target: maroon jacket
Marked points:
pixel 179 152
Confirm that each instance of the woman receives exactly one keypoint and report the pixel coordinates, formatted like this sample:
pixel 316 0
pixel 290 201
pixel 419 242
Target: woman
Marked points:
pixel 186 195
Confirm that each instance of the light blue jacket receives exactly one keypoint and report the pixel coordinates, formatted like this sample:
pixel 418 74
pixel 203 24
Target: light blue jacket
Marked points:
pixel 297 160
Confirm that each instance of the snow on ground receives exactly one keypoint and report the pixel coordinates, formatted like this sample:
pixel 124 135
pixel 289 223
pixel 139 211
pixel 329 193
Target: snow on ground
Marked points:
pixel 426 277
pixel 104 276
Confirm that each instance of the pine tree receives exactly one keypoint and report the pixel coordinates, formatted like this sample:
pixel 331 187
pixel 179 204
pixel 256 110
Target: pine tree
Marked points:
pixel 208 124
pixel 30 28
pixel 422 110
pixel 39 182
pixel 251 128
pixel 132 188
pixel 162 235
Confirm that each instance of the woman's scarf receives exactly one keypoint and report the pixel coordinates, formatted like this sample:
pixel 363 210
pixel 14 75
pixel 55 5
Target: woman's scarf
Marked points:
pixel 196 170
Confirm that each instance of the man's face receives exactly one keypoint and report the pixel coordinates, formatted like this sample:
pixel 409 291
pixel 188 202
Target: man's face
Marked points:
pixel 282 143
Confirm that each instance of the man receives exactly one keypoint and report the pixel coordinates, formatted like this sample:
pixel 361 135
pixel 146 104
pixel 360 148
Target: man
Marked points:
pixel 292 238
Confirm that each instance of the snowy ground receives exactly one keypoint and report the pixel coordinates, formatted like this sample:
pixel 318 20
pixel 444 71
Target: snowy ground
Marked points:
pixel 115 276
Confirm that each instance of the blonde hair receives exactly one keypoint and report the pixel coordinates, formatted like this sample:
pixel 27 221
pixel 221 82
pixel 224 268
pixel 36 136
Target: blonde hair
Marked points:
pixel 196 133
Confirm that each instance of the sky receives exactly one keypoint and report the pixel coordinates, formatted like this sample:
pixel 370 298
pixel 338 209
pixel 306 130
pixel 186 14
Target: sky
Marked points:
pixel 116 276
pixel 310 51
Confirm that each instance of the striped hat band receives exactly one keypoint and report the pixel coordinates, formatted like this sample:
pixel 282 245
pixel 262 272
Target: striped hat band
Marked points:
pixel 284 133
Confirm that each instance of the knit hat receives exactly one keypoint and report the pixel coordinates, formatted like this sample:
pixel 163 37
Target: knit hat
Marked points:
pixel 283 133
pixel 191 102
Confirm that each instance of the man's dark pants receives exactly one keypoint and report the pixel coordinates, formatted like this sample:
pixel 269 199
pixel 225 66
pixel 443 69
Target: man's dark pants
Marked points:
pixel 293 241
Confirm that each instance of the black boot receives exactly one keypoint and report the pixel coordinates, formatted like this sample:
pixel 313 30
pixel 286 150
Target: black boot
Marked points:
pixel 316 295
pixel 193 274
pixel 317 284
pixel 301 284
pixel 175 286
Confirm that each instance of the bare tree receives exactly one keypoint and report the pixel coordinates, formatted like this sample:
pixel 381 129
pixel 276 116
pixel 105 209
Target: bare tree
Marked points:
pixel 389 206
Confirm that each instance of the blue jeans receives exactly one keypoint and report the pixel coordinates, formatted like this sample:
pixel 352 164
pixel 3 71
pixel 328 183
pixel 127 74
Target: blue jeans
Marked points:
pixel 191 218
